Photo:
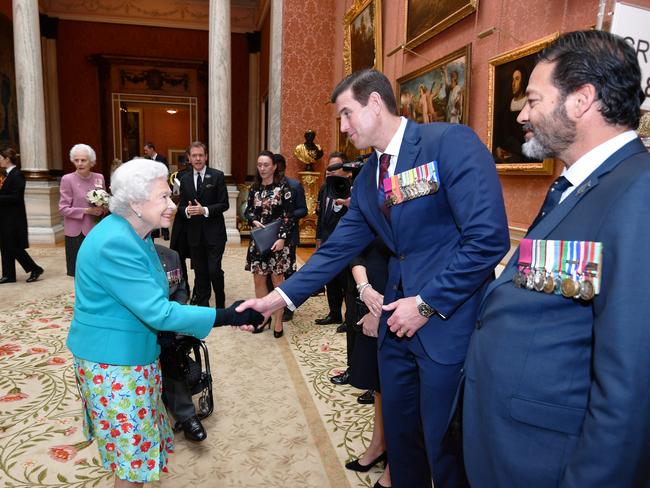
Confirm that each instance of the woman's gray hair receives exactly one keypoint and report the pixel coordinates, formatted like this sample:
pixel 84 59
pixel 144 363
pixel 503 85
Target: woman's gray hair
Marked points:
pixel 92 157
pixel 131 183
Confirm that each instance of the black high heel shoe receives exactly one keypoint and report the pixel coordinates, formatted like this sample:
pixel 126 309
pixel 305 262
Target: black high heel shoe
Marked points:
pixel 362 468
pixel 260 328
pixel 278 333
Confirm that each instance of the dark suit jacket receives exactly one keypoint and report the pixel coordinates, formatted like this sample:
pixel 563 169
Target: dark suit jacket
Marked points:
pixel 213 195
pixel 443 246
pixel 299 209
pixel 327 217
pixel 13 217
pixel 161 159
pixel 558 390
pixel 171 263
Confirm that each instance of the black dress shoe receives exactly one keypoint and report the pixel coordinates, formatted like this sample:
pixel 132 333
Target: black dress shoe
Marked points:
pixel 342 328
pixel 329 319
pixel 287 315
pixel 341 379
pixel 193 429
pixel 362 468
pixel 33 276
pixel 4 279
pixel 367 398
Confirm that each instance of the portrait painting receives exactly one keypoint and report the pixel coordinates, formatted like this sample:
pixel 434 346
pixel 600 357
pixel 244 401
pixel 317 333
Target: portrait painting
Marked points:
pixel 438 92
pixel 426 18
pixel 508 79
pixel 362 36
pixel 8 105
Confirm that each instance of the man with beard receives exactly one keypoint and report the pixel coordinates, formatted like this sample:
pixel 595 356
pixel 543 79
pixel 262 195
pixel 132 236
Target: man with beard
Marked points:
pixel 557 388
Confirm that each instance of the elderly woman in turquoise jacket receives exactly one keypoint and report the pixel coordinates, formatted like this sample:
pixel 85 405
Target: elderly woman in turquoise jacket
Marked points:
pixel 121 304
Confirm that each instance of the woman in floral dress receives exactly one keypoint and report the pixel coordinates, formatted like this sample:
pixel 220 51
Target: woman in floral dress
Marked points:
pixel 270 199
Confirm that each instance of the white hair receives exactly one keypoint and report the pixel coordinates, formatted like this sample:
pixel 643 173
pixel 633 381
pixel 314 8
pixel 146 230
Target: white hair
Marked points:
pixel 131 183
pixel 92 157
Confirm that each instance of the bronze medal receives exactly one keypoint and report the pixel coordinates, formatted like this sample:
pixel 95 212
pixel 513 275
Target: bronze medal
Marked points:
pixel 433 185
pixel 569 287
pixel 587 291
pixel 519 279
pixel 549 284
pixel 538 280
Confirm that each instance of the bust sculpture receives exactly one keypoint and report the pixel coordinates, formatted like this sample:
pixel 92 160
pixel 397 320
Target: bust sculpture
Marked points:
pixel 308 152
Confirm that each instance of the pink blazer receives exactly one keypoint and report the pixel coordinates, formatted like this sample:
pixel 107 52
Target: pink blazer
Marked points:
pixel 73 202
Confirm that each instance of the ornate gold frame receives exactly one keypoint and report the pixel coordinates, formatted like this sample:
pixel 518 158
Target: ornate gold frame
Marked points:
pixel 546 166
pixel 465 51
pixel 350 16
pixel 468 8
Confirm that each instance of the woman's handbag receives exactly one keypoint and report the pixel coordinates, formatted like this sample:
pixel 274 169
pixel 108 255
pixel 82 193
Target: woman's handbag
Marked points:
pixel 265 237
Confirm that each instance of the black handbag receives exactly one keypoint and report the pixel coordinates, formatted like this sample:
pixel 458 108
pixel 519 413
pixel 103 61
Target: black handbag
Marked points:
pixel 265 237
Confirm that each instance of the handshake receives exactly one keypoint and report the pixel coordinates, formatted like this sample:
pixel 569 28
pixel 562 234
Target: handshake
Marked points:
pixel 229 316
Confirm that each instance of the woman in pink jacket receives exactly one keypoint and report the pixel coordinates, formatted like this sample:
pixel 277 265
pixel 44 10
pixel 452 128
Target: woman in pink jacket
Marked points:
pixel 79 215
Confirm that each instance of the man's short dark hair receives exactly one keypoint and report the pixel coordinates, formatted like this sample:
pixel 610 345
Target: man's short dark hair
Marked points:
pixel 363 83
pixel 150 145
pixel 337 154
pixel 608 63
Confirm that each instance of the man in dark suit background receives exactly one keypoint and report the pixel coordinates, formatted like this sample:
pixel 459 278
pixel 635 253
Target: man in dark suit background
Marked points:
pixel 445 240
pixel 150 152
pixel 203 201
pixel 557 389
pixel 13 222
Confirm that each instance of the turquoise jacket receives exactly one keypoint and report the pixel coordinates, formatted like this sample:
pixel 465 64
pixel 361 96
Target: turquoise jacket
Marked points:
pixel 122 299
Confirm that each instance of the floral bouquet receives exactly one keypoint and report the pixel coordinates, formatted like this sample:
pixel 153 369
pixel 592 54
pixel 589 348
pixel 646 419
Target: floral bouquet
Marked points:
pixel 98 197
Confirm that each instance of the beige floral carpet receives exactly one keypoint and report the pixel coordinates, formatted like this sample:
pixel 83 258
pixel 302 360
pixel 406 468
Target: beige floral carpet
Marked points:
pixel 278 421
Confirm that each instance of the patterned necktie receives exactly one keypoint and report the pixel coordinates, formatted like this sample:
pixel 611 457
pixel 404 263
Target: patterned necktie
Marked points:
pixel 199 182
pixel 552 199
pixel 384 162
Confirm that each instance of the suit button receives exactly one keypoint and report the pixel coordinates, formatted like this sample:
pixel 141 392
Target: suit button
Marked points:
pixel 479 324
pixel 402 257
pixel 395 287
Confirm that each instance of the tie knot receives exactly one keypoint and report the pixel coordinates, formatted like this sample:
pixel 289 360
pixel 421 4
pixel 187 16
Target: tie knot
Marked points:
pixel 561 184
pixel 384 161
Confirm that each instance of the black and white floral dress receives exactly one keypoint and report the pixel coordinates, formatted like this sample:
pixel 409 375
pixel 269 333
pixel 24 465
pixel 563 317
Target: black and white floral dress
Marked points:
pixel 267 203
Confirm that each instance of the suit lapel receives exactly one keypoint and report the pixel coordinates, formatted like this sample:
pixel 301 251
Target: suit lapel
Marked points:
pixel 553 219
pixel 377 219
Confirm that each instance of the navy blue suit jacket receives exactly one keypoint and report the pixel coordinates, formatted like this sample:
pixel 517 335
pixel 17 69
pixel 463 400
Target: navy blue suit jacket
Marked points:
pixel 443 246
pixel 557 390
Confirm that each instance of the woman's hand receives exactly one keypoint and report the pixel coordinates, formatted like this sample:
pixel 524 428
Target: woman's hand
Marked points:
pixel 96 211
pixel 373 300
pixel 257 224
pixel 278 245
pixel 370 325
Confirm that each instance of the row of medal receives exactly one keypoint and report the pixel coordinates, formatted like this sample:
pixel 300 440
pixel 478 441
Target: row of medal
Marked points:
pixel 414 183
pixel 174 276
pixel 568 268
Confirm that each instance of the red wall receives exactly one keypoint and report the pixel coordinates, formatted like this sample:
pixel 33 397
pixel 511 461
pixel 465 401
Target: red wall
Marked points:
pixel 79 86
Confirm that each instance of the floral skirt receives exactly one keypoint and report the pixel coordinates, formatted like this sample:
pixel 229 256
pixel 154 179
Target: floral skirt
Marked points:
pixel 123 411
pixel 278 262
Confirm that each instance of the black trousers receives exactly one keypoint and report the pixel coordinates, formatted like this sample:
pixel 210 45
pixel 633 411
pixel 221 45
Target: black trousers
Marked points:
pixel 72 245
pixel 335 291
pixel 176 394
pixel 206 262
pixel 9 257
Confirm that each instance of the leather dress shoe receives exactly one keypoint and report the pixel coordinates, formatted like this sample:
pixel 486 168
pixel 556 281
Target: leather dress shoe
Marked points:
pixel 33 276
pixel 328 319
pixel 367 397
pixel 4 279
pixel 342 328
pixel 193 429
pixel 341 379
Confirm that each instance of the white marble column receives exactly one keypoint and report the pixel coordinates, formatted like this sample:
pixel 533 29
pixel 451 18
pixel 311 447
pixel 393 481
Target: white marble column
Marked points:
pixel 219 105
pixel 42 193
pixel 275 76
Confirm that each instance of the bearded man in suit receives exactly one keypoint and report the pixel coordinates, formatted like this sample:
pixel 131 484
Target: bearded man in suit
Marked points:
pixel 203 201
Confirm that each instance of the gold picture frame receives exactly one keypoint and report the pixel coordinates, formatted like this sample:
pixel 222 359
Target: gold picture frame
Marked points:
pixel 362 36
pixel 176 160
pixel 423 21
pixel 507 79
pixel 439 91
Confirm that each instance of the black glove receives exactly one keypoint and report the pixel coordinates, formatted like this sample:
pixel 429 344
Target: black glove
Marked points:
pixel 228 316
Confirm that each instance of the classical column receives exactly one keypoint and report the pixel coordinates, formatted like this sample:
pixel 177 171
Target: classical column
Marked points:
pixel 219 105
pixel 275 76
pixel 41 195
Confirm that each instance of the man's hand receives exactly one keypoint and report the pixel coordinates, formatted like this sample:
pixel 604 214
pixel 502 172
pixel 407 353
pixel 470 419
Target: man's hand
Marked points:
pixel 405 320
pixel 195 209
pixel 370 325
pixel 342 201
pixel 266 306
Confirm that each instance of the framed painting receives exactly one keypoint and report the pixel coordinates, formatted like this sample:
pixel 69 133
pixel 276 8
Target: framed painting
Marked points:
pixel 507 80
pixel 362 36
pixel 426 18
pixel 176 158
pixel 438 92
pixel 344 144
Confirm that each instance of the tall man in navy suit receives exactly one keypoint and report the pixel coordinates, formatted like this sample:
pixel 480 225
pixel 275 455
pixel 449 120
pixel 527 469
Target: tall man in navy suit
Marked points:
pixel 557 388
pixel 446 231
pixel 203 201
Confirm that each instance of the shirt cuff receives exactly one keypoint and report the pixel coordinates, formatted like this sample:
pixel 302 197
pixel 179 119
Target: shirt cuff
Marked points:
pixel 206 212
pixel 286 299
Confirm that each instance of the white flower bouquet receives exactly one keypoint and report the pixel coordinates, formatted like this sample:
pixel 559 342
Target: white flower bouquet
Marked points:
pixel 98 197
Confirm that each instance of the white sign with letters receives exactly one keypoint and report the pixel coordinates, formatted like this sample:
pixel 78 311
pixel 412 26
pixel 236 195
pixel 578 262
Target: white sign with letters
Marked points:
pixel 631 22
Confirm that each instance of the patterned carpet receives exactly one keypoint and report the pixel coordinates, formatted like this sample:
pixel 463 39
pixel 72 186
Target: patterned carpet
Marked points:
pixel 278 420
